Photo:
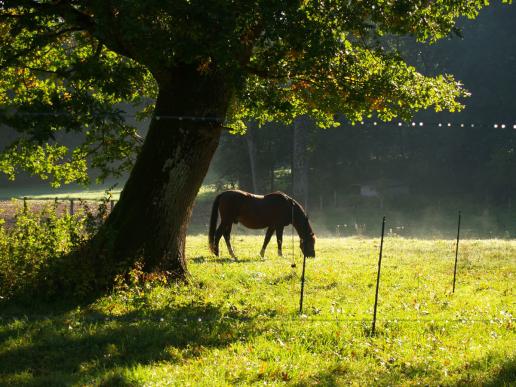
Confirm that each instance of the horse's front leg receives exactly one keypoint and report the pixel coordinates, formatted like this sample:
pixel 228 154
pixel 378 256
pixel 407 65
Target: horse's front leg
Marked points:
pixel 279 239
pixel 268 236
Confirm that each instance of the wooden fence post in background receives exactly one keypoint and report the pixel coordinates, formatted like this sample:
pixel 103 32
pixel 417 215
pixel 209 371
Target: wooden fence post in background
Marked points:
pixel 72 210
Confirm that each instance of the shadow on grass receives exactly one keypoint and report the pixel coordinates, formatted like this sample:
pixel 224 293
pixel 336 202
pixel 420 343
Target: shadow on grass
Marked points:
pixel 94 348
pixel 226 261
pixel 331 377
pixel 489 371
pixel 505 376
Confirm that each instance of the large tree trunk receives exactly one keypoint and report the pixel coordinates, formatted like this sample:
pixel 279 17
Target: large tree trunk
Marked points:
pixel 149 222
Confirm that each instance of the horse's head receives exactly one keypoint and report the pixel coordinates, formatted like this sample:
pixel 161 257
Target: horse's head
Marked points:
pixel 303 228
pixel 307 245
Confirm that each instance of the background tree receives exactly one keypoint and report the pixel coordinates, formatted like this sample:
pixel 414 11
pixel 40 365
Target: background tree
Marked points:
pixel 67 64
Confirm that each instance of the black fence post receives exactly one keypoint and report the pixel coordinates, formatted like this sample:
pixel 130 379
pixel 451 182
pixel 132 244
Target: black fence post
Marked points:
pixel 378 278
pixel 25 206
pixel 456 254
pixel 72 210
pixel 302 286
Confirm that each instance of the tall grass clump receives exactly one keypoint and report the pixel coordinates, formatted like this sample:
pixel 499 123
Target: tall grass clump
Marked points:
pixel 37 252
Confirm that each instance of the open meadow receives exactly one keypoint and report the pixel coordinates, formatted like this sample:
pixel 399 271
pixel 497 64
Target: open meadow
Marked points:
pixel 237 323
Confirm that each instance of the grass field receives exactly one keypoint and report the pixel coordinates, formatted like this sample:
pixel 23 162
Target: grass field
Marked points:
pixel 237 323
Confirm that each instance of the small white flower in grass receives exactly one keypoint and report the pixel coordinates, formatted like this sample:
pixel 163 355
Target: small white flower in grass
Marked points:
pixel 199 319
pixel 161 319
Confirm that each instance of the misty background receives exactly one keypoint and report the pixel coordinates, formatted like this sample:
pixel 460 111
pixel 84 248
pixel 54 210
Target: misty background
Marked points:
pixel 418 176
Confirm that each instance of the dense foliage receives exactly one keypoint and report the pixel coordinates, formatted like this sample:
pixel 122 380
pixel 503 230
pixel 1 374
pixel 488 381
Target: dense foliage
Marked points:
pixel 67 66
pixel 35 252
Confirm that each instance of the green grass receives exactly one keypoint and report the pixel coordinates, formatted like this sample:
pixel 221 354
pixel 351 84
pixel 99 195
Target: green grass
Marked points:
pixel 237 323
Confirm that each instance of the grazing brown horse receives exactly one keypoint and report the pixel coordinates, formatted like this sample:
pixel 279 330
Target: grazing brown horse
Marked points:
pixel 273 211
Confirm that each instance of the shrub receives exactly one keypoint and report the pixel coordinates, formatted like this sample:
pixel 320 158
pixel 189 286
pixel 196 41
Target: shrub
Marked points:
pixel 37 252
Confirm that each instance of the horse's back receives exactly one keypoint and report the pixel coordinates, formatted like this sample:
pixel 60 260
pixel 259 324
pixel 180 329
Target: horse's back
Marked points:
pixel 237 194
pixel 255 211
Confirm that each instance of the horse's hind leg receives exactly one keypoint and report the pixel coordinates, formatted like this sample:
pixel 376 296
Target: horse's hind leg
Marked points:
pixel 279 239
pixel 218 235
pixel 227 238
pixel 268 236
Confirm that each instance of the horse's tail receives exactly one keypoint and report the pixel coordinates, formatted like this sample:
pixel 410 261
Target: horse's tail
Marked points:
pixel 213 223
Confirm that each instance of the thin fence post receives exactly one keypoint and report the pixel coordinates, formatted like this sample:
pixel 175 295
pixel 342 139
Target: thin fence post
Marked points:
pixel 378 278
pixel 456 254
pixel 302 286
pixel 293 264
pixel 71 207
pixel 25 206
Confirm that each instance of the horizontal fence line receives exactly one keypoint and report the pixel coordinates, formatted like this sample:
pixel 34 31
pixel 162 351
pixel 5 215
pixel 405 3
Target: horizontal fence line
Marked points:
pixel 300 319
pixel 501 124
pixel 60 199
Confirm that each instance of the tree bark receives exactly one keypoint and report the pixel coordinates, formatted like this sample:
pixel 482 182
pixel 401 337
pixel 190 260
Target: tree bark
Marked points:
pixel 149 222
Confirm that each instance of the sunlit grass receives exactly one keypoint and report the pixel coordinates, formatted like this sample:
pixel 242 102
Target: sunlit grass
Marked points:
pixel 43 193
pixel 237 323
pixel 85 195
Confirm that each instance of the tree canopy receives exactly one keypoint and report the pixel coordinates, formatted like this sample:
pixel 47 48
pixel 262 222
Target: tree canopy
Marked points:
pixel 67 65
